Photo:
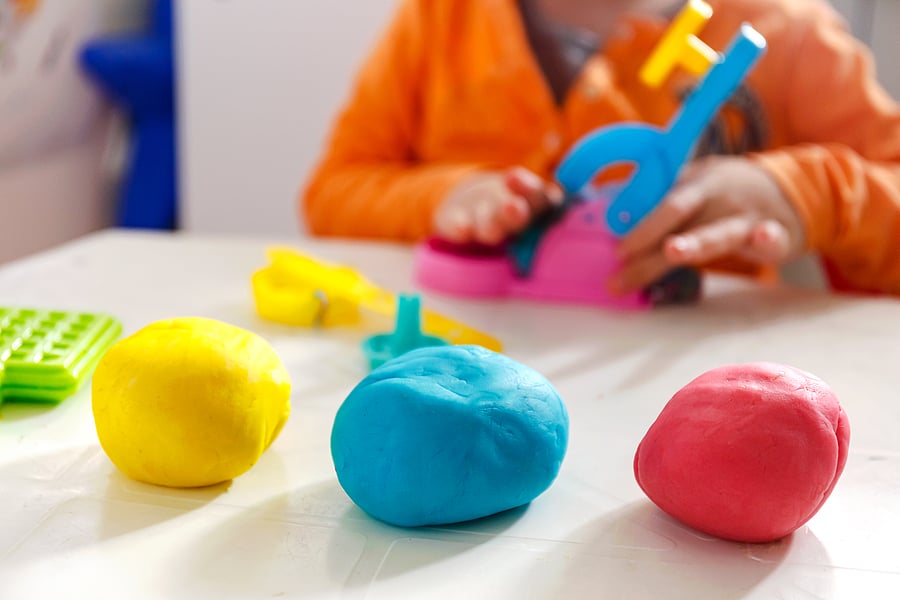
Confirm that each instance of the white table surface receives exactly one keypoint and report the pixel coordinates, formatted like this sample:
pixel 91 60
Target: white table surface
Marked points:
pixel 72 526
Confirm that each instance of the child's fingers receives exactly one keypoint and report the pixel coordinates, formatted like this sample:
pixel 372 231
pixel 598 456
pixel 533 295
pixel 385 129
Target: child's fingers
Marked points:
pixel 488 219
pixel 537 193
pixel 638 273
pixel 553 194
pixel 513 213
pixel 488 223
pixel 709 242
pixel 455 226
pixel 500 217
pixel 762 242
pixel 680 206
pixel 769 243
pixel 521 181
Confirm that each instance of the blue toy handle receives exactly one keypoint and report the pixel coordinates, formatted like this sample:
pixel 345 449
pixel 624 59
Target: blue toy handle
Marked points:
pixel 603 148
pixel 721 81
pixel 659 155
pixel 656 175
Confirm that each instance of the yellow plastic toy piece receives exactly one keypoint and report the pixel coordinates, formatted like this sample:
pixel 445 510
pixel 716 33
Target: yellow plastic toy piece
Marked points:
pixel 681 47
pixel 297 289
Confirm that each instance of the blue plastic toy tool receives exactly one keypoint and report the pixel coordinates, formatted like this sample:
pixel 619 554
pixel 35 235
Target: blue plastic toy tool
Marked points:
pixel 407 335
pixel 658 154
pixel 45 356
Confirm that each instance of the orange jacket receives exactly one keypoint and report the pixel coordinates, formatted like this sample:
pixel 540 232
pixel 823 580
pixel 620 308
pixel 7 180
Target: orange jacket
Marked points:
pixel 453 87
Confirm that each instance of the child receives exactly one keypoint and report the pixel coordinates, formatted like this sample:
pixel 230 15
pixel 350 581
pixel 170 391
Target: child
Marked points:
pixel 464 109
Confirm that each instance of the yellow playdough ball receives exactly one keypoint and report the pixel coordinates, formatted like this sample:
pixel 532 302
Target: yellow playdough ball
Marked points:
pixel 189 402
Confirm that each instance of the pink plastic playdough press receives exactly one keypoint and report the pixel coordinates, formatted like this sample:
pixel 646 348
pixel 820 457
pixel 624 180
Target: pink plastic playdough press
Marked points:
pixel 574 259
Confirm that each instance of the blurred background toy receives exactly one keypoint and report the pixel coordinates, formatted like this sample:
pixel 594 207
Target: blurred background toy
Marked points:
pixel 138 73
pixel 297 289
pixel 407 334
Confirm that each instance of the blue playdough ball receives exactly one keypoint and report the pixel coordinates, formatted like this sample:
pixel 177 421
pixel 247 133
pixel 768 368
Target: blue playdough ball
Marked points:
pixel 447 434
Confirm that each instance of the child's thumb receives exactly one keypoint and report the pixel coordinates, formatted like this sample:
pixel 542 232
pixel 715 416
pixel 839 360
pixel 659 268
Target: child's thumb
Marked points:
pixel 522 182
pixel 539 194
pixel 769 243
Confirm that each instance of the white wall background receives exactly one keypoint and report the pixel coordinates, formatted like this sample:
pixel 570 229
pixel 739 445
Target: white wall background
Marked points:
pixel 885 42
pixel 261 79
pixel 877 22
pixel 858 14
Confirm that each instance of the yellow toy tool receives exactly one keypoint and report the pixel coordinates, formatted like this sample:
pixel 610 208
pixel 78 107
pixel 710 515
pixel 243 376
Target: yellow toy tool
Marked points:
pixel 680 46
pixel 297 289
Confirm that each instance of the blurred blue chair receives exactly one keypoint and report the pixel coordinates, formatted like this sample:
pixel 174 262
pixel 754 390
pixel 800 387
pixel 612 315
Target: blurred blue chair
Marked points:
pixel 137 73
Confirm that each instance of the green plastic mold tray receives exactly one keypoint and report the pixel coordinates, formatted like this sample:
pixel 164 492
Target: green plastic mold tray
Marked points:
pixel 45 356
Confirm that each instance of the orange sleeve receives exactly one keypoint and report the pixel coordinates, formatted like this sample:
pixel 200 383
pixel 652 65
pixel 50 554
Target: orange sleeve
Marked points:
pixel 843 173
pixel 369 183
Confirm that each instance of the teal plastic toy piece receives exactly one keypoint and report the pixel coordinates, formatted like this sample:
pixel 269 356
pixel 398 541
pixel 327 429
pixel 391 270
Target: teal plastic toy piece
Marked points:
pixel 407 335
pixel 659 155
pixel 45 356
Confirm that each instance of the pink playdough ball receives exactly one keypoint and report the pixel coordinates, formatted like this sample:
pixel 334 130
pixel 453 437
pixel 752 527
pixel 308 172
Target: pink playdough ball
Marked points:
pixel 745 452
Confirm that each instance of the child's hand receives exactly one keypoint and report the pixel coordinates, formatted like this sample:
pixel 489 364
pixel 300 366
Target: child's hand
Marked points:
pixel 487 208
pixel 721 206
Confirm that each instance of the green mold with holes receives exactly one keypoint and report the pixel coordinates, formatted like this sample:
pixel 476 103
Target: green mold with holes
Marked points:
pixel 47 355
